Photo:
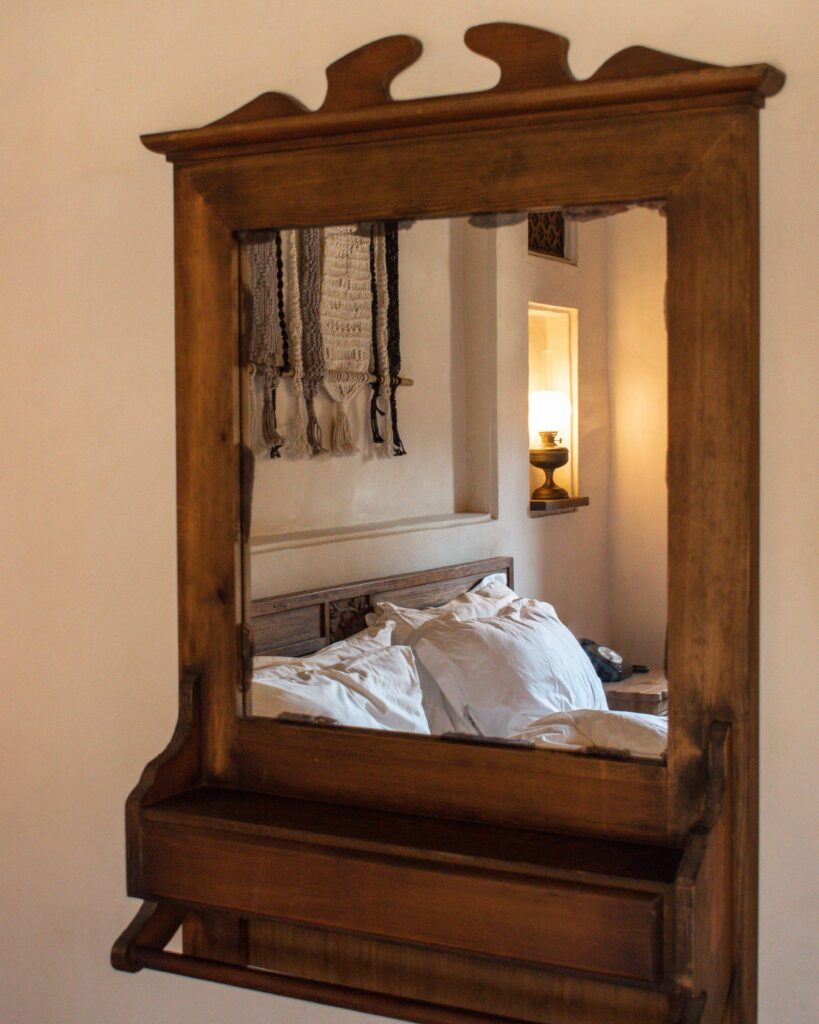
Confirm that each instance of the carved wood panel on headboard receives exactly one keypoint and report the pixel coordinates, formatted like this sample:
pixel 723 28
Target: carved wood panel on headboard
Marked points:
pixel 295 624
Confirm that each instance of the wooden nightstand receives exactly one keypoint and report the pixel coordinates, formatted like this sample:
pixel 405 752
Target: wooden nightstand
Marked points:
pixel 646 693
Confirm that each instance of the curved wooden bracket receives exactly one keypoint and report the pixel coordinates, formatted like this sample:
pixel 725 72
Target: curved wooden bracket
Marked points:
pixel 362 78
pixel 177 767
pixel 164 769
pixel 153 927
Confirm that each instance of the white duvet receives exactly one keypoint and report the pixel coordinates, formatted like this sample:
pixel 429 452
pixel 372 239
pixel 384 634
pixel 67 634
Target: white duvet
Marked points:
pixel 623 732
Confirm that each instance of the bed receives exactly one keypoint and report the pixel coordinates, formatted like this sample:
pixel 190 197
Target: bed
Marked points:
pixel 430 652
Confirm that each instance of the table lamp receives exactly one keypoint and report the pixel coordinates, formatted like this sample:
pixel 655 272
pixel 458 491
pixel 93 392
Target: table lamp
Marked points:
pixel 549 414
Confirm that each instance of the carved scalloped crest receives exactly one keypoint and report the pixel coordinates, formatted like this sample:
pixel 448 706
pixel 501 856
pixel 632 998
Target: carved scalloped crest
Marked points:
pixel 529 59
pixel 362 78
pixel 358 79
pixel 269 104
pixel 635 61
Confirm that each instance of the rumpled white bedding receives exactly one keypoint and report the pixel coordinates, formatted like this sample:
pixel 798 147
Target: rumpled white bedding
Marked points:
pixel 488 664
pixel 626 732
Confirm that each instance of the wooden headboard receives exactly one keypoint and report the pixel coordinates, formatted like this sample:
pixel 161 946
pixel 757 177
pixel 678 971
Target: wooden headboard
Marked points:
pixel 296 624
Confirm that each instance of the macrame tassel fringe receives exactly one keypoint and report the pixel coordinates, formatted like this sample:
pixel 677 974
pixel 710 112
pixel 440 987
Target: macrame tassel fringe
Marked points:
pixel 313 429
pixel 375 412
pixel 389 435
pixel 252 410
pixel 397 444
pixel 393 332
pixel 342 441
pixel 297 443
pixel 270 432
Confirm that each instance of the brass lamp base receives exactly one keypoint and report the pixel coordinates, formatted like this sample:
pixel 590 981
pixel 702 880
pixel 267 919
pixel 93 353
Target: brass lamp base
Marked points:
pixel 548 459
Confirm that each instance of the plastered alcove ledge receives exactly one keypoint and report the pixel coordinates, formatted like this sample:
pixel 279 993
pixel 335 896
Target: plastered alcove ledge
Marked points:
pixel 505 883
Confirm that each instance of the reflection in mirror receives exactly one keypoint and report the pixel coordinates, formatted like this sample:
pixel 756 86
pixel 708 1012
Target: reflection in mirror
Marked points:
pixel 394 376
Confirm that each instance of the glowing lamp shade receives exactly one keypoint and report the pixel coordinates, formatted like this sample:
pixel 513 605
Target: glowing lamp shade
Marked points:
pixel 548 411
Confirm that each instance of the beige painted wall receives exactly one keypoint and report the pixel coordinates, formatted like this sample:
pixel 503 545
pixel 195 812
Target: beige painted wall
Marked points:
pixel 87 531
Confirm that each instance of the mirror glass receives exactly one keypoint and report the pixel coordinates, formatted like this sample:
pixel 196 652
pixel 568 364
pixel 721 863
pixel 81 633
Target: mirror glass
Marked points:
pixel 430 393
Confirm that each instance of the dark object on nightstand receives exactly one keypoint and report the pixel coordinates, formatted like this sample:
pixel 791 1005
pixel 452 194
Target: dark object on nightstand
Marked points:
pixel 610 666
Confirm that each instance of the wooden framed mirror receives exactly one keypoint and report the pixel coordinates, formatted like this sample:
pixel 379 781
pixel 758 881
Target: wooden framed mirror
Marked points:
pixel 425 877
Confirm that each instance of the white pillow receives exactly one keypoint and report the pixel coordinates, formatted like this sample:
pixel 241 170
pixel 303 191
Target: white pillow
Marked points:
pixel 493 577
pixel 376 690
pixel 486 598
pixel 482 602
pixel 373 638
pixel 504 672
pixel 441 715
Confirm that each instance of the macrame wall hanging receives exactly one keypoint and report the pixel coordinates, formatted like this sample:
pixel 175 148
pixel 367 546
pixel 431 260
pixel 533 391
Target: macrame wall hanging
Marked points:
pixel 321 311
pixel 346 310
pixel 267 344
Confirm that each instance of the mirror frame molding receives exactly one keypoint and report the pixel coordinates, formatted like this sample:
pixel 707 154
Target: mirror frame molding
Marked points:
pixel 646 126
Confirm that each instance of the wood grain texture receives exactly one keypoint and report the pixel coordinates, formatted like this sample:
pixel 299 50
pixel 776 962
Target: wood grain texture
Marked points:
pixel 713 611
pixel 394 1007
pixel 615 933
pixel 511 167
pixel 703 896
pixel 425 840
pixel 464 781
pixel 591 906
pixel 483 987
pixel 215 936
pixel 208 492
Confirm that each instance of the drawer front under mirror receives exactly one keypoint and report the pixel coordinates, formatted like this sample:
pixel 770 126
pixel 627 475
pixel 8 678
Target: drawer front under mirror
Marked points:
pixel 607 930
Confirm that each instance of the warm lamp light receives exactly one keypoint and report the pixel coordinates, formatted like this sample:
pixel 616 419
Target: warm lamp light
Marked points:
pixel 548 411
pixel 549 415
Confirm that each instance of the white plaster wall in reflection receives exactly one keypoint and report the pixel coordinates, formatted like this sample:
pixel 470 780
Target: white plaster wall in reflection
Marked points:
pixel 566 556
pixel 638 372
